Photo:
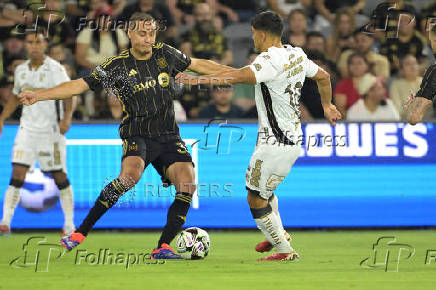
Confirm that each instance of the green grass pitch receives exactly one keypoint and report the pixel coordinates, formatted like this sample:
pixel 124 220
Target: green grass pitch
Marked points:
pixel 329 260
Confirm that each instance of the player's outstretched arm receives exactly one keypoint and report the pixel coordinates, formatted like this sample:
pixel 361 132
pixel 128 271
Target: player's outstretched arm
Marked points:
pixel 416 107
pixel 243 75
pixel 207 67
pixel 63 91
pixel 322 79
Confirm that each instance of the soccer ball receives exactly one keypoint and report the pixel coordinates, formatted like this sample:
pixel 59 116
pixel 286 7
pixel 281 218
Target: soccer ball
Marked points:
pixel 193 243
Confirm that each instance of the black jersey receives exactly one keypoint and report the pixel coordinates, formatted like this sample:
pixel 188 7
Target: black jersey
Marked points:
pixel 428 84
pixel 144 89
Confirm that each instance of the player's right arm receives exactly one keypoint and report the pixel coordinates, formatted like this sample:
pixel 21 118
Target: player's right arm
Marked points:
pixel 416 107
pixel 63 91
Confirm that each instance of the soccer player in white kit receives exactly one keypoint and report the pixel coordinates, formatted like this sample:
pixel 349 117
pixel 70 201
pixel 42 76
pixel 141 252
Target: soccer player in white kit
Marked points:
pixel 278 74
pixel 40 134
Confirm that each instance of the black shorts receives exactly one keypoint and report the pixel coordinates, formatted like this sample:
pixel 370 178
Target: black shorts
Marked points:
pixel 161 151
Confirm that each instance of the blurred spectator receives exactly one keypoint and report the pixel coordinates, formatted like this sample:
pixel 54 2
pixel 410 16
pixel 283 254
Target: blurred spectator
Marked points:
pixel 373 106
pixel 159 10
pixel 194 98
pixel 296 35
pixel 379 64
pixel 179 112
pixel 316 42
pixel 183 10
pixel 234 11
pixel 13 48
pixel 87 7
pixel 310 101
pixel 6 84
pixel 409 41
pixel 222 106
pixel 285 7
pixel 13 13
pixel 53 21
pixel 243 94
pixel 203 40
pixel 346 92
pixel 409 81
pixel 328 8
pixel 58 52
pixel 93 46
pixel 342 38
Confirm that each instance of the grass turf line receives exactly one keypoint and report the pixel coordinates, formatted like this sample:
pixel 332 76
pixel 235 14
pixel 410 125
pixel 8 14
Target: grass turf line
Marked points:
pixel 329 260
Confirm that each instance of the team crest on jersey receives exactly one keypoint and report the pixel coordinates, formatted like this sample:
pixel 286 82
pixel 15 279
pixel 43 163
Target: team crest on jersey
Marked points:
pixel 163 79
pixel 41 77
pixel 162 63
pixel 257 66
pixel 266 56
pixel 23 76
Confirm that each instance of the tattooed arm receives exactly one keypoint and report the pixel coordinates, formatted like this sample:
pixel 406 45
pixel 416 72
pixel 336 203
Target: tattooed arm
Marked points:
pixel 416 110
pixel 416 107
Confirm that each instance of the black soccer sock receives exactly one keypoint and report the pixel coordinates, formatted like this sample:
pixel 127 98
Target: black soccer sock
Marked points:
pixel 108 197
pixel 176 217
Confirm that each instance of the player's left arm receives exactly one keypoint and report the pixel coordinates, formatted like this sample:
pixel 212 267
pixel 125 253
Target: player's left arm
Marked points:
pixel 242 75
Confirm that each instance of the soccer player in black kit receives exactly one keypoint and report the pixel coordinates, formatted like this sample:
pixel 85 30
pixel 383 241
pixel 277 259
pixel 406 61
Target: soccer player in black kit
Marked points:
pixel 140 78
pixel 416 107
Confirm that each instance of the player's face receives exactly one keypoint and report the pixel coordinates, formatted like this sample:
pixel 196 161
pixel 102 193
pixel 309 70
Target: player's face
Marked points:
pixel 143 36
pixel 258 39
pixel 35 45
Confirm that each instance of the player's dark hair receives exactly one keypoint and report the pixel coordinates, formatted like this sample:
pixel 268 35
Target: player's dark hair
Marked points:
pixel 268 21
pixel 403 59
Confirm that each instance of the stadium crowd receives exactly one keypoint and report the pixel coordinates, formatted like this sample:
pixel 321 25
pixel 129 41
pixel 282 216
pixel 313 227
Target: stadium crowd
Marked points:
pixel 374 68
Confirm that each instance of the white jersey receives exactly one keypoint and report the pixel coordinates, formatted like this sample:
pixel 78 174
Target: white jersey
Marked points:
pixel 280 74
pixel 41 116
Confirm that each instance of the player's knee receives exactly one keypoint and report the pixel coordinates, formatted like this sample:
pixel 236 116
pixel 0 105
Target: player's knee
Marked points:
pixel 18 183
pixel 59 177
pixel 254 200
pixel 19 173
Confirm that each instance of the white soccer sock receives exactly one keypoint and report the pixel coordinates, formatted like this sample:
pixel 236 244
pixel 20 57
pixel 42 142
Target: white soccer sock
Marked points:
pixel 67 204
pixel 12 197
pixel 275 207
pixel 273 231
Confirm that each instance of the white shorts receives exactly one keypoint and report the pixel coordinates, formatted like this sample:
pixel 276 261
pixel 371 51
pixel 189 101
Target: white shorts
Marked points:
pixel 49 149
pixel 269 165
